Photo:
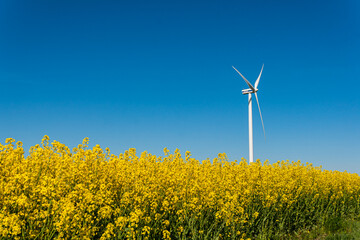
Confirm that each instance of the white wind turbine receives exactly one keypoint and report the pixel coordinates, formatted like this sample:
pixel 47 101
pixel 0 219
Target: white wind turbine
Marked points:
pixel 249 91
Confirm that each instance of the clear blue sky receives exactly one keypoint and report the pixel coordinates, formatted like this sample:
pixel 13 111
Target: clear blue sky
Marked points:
pixel 155 74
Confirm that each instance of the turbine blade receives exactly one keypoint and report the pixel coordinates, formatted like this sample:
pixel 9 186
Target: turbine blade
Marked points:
pixel 257 100
pixel 258 79
pixel 247 82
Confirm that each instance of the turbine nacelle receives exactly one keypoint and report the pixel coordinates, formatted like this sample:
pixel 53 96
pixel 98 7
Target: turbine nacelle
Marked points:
pixel 248 91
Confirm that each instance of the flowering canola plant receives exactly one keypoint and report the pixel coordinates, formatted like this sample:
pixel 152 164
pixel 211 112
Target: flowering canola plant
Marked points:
pixel 56 193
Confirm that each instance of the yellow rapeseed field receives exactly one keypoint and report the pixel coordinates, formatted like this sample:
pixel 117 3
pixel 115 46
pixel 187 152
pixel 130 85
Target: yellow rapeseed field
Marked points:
pixel 56 193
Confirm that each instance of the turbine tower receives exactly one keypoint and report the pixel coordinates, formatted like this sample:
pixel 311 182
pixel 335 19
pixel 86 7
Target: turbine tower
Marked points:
pixel 249 91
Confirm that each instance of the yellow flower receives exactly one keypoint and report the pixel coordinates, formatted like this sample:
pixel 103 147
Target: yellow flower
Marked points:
pixel 89 193
pixel 166 235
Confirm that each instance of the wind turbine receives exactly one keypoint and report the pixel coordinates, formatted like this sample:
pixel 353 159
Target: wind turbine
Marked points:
pixel 249 91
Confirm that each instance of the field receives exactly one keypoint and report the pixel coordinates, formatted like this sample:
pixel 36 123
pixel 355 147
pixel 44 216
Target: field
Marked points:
pixel 58 193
